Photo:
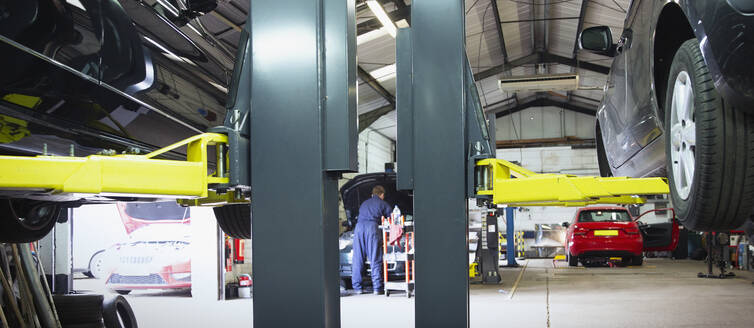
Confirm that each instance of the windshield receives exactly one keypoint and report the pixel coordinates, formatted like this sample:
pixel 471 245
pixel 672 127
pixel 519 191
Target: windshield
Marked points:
pixel 157 211
pixel 604 216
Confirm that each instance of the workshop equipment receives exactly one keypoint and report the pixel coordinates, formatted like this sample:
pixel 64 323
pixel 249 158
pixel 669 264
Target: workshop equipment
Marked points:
pixel 487 251
pixel 401 252
pixel 718 253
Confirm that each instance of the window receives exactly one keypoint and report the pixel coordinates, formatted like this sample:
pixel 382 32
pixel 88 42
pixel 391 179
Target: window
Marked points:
pixel 604 216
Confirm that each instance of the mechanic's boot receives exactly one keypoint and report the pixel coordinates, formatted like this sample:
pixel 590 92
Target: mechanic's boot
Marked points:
pixel 378 292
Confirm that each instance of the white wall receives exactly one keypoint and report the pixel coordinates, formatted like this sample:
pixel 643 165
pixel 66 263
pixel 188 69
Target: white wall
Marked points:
pixel 544 122
pixel 554 159
pixel 374 151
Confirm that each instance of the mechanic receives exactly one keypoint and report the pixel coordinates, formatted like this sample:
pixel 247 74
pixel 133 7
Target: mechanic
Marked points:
pixel 366 240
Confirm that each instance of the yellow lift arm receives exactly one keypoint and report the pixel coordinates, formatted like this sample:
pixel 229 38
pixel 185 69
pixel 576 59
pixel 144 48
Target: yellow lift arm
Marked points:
pixel 193 180
pixel 121 174
pixel 509 184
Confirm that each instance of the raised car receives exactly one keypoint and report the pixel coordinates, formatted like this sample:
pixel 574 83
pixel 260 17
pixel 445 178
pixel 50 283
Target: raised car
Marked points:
pixel 82 76
pixel 678 104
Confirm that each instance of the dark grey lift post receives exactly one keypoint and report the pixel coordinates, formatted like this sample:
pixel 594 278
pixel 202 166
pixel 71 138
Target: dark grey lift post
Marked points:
pixel 303 134
pixel 436 126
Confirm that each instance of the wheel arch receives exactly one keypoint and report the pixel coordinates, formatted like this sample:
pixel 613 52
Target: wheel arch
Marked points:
pixel 672 28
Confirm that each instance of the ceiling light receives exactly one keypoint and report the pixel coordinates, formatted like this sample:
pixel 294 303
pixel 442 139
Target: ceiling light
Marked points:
pixel 383 73
pixel 382 16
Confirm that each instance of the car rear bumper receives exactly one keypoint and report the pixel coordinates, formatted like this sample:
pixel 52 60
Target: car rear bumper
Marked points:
pixel 585 246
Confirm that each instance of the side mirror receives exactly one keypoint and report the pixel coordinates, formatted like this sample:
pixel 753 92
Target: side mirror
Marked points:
pixel 565 225
pixel 597 39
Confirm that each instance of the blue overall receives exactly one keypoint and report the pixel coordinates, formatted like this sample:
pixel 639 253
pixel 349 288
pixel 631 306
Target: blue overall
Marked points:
pixel 366 241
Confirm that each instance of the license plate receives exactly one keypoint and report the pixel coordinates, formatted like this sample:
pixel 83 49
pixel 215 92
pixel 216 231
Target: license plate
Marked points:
pixel 605 232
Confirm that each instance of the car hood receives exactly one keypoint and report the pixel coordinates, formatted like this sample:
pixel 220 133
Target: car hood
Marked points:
pixel 359 189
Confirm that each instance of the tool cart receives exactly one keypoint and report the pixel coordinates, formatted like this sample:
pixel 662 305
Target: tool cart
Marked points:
pixel 398 233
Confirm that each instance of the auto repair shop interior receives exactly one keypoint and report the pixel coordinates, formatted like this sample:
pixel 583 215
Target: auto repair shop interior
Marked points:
pixel 372 163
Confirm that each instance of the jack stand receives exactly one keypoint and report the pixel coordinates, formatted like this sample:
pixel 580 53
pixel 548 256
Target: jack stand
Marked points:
pixel 719 243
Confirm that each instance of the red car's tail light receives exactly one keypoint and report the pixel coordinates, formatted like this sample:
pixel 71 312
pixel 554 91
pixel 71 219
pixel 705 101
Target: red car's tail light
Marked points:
pixel 631 230
pixel 580 231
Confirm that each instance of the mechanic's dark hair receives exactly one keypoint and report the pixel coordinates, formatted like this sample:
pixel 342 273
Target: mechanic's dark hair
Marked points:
pixel 378 190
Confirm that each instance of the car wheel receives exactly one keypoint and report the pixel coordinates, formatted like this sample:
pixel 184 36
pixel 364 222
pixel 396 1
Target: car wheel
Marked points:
pixel 235 220
pixel 572 260
pixel 637 260
pixel 123 291
pixel 97 269
pixel 602 162
pixel 24 221
pixel 709 147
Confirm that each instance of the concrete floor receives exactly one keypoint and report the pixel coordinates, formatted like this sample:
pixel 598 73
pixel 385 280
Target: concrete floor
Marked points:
pixel 662 293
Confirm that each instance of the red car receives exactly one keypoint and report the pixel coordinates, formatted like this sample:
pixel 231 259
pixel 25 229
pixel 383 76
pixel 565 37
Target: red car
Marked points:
pixel 599 234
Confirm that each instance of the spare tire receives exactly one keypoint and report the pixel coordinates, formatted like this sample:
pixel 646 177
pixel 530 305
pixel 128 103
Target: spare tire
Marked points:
pixel 78 308
pixel 117 313
pixel 235 220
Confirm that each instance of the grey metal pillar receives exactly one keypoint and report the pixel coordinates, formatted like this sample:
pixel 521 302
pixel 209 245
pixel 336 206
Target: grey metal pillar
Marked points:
pixel 440 203
pixel 303 134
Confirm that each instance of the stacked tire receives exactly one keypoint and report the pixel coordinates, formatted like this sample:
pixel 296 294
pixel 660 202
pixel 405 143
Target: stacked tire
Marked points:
pixel 94 311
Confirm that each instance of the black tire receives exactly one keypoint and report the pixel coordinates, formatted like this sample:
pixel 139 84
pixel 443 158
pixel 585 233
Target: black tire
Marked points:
pixel 235 220
pixel 572 260
pixel 602 162
pixel 78 308
pixel 123 291
pixel 24 221
pixel 117 313
pixel 721 191
pixel 637 260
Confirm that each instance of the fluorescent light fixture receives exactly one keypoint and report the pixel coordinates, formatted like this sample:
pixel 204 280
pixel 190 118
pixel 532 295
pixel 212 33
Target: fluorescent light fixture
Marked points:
pixel 383 73
pixel 369 36
pixel 382 16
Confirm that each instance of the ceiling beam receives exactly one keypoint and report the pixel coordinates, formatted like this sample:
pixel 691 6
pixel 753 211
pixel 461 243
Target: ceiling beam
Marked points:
pixel 579 27
pixel 375 85
pixel 544 142
pixel 540 57
pixel 368 118
pixel 500 35
pixel 544 101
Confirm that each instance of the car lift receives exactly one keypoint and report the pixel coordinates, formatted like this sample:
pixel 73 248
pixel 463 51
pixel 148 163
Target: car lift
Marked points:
pixel 427 119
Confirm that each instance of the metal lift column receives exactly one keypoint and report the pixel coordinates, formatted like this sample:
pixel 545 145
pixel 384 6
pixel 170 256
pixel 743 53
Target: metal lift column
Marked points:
pixel 303 135
pixel 437 128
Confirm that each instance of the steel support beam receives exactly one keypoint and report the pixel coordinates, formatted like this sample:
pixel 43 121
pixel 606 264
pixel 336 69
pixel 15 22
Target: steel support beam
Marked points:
pixel 315 126
pixel 536 58
pixel 499 27
pixel 540 101
pixel 440 204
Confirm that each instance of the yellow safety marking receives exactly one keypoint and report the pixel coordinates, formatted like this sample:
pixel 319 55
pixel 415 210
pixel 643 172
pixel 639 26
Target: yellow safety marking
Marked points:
pixel 533 189
pixel 27 101
pixel 12 129
pixel 119 174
